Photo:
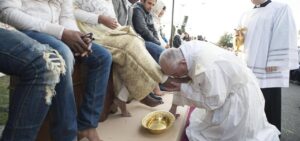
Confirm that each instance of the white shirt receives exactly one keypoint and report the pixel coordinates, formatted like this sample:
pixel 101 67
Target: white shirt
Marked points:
pixel 47 16
pixel 88 11
pixel 270 40
pixel 228 91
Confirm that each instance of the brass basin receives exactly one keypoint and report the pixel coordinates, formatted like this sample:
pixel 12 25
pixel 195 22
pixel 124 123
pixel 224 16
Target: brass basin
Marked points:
pixel 158 121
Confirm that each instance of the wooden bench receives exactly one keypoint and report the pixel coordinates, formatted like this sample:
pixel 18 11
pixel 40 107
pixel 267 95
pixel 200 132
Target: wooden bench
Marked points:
pixel 79 79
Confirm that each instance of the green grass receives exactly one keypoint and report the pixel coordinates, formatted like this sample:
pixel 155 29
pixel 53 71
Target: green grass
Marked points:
pixel 4 99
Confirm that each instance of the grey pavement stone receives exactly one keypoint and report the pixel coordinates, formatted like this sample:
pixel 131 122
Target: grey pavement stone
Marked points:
pixel 290 113
pixel 1 130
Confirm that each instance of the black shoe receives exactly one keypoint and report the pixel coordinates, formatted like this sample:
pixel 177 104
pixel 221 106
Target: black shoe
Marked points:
pixel 155 97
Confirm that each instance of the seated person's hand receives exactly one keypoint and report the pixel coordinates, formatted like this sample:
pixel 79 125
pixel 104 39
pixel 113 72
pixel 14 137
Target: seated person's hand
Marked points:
pixel 108 21
pixel 88 38
pixel 75 42
pixel 167 46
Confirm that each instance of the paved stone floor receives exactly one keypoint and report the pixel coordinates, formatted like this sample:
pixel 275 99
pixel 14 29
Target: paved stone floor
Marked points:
pixel 290 113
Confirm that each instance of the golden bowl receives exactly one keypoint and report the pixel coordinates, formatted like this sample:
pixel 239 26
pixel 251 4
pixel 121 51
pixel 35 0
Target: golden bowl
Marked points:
pixel 158 121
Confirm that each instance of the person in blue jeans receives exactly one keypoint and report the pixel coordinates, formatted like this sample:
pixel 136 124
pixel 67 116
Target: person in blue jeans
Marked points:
pixel 154 50
pixel 52 22
pixel 38 68
pixel 98 63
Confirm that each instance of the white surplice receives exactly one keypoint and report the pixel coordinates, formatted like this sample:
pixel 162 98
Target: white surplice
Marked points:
pixel 270 40
pixel 228 91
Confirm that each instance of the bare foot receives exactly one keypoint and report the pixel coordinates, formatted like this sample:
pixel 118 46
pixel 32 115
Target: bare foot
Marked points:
pixel 122 106
pixel 155 96
pixel 91 134
pixel 149 101
pixel 157 91
pixel 173 110
pixel 113 108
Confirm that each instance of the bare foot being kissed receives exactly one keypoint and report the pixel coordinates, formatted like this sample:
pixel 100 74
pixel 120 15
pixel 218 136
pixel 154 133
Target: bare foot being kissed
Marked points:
pixel 157 91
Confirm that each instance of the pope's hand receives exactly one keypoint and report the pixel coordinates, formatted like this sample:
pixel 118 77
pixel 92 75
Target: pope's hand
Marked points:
pixel 173 86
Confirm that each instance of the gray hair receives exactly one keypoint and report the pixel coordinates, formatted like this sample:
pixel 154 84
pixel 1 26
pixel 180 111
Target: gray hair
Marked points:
pixel 171 57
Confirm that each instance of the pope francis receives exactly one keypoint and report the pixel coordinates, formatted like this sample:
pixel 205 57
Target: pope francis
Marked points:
pixel 224 88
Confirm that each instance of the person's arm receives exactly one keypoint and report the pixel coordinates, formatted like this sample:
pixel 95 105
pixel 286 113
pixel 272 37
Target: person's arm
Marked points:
pixel 209 88
pixel 66 17
pixel 140 26
pixel 92 18
pixel 12 14
pixel 84 16
pixel 283 44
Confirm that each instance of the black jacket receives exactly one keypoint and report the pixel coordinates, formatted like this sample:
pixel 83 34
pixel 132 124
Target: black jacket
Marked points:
pixel 143 24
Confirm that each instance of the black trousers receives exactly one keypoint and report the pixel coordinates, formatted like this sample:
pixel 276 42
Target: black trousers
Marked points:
pixel 273 105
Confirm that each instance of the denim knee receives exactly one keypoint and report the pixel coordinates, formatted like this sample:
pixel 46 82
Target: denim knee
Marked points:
pixel 101 56
pixel 56 44
pixel 46 70
pixel 67 55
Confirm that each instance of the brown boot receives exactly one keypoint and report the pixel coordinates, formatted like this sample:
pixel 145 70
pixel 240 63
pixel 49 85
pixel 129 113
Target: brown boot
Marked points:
pixel 151 102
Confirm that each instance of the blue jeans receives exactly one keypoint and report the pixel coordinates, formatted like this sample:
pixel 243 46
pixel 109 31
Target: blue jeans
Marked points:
pixel 154 50
pixel 64 110
pixel 34 65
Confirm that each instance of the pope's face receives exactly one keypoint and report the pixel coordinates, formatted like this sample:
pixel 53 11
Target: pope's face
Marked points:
pixel 149 4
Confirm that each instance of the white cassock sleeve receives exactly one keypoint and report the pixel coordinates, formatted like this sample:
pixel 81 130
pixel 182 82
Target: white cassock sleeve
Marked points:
pixel 283 44
pixel 208 89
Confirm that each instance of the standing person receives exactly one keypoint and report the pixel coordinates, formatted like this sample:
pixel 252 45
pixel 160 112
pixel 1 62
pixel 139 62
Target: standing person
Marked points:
pixel 142 21
pixel 38 68
pixel 224 87
pixel 270 48
pixel 52 22
pixel 158 11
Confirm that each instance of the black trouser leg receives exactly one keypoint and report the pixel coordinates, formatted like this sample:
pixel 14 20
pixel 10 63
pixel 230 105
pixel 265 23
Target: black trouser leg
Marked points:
pixel 273 105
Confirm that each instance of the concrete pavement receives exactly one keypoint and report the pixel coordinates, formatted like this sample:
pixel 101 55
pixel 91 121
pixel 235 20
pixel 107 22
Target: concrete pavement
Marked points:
pixel 291 113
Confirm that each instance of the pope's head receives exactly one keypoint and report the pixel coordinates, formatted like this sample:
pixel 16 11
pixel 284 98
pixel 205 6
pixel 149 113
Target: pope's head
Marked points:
pixel 173 63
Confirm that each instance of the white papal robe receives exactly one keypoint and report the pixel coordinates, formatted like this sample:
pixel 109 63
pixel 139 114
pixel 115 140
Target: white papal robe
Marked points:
pixel 227 90
pixel 270 40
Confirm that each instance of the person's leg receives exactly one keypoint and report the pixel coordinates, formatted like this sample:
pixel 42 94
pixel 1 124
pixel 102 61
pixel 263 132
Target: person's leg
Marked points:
pixel 154 50
pixel 273 105
pixel 38 68
pixel 99 65
pixel 63 109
